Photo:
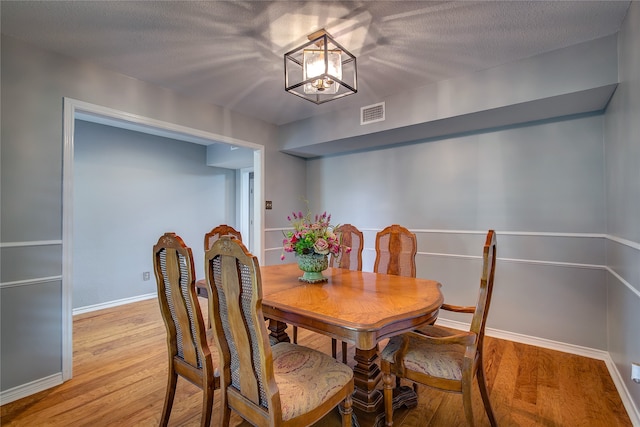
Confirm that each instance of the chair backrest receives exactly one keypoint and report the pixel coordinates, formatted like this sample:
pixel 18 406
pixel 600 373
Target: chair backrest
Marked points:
pixel 396 249
pixel 216 232
pixel 235 307
pixel 352 237
pixel 486 287
pixel 186 333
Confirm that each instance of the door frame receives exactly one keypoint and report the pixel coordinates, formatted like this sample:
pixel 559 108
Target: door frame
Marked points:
pixel 74 109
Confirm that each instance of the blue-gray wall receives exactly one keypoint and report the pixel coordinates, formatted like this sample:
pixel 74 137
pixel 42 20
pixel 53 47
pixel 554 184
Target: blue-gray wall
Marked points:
pixel 541 186
pixel 34 84
pixel 622 175
pixel 130 188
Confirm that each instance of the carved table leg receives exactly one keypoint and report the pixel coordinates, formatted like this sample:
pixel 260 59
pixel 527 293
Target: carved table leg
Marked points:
pixel 368 401
pixel 278 333
pixel 366 375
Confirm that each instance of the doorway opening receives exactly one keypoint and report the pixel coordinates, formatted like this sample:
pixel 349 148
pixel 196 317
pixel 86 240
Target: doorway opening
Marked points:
pixel 79 110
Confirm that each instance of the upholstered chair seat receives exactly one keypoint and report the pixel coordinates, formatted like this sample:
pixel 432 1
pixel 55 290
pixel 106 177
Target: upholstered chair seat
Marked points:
pixel 425 358
pixel 306 378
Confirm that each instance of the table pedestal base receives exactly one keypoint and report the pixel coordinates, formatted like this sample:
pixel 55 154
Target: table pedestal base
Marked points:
pixel 368 400
pixel 404 399
pixel 366 376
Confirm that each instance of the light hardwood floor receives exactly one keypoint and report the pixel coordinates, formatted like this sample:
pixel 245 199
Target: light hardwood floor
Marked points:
pixel 120 369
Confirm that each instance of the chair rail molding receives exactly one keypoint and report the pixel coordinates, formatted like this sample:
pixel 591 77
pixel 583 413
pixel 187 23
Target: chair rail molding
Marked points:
pixel 31 243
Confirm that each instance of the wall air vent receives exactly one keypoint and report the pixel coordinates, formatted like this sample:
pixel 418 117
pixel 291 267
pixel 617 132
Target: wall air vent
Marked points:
pixel 372 113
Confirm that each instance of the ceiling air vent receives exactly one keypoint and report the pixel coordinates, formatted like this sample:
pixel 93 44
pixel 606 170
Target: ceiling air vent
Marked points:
pixel 372 113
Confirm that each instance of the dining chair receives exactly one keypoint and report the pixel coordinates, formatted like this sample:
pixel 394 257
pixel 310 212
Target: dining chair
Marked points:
pixel 280 385
pixel 396 249
pixel 189 354
pixel 444 358
pixel 353 238
pixel 209 239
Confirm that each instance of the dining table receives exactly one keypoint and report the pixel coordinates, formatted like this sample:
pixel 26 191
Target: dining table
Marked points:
pixel 357 307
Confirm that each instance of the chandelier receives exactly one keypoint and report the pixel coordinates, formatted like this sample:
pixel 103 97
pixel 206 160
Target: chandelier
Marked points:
pixel 320 70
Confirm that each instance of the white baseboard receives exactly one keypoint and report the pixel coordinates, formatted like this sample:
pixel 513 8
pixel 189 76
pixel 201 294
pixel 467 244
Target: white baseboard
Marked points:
pixel 115 303
pixel 41 384
pixel 24 390
pixel 625 396
pixel 623 391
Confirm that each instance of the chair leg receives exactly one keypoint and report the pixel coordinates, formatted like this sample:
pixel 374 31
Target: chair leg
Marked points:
pixel 295 335
pixel 346 410
pixel 387 382
pixel 168 398
pixel 467 402
pixel 482 385
pixel 334 351
pixel 225 416
pixel 207 405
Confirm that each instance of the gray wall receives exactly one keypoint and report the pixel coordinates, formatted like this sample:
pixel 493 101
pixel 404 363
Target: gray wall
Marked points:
pixel 129 188
pixel 622 153
pixel 541 186
pixel 34 83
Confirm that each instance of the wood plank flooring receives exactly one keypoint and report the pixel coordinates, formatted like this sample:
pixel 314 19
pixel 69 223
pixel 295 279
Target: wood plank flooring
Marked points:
pixel 120 369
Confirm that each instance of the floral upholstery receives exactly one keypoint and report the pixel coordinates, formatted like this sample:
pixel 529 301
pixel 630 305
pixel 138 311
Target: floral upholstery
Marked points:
pixel 306 378
pixel 430 359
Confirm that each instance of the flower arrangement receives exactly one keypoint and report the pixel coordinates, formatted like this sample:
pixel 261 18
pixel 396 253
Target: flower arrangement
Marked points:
pixel 309 237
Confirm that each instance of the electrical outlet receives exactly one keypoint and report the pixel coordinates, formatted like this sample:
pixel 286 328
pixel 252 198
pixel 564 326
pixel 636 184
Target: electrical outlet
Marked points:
pixel 146 275
pixel 635 372
pixel 268 204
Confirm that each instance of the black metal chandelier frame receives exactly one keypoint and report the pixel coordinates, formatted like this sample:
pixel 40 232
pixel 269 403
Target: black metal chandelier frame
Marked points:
pixel 294 64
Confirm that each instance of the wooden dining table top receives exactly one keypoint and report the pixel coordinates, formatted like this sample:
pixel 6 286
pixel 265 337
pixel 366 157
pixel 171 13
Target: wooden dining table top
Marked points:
pixel 357 307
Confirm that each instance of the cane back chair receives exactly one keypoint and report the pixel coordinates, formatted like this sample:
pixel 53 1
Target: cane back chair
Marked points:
pixel 209 239
pixel 396 249
pixel 280 385
pixel 189 355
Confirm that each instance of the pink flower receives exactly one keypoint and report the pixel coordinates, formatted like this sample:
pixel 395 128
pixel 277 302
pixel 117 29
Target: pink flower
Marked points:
pixel 321 246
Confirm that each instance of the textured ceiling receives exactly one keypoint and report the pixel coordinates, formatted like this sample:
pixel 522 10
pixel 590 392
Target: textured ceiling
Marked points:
pixel 231 53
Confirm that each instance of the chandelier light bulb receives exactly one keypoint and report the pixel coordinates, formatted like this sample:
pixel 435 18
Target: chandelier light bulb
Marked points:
pixel 315 66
